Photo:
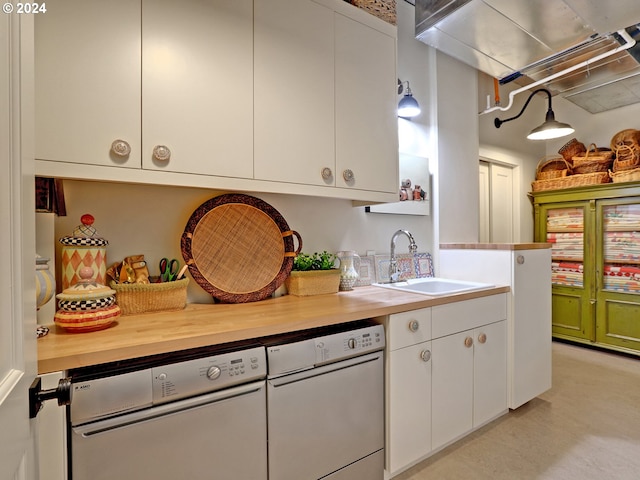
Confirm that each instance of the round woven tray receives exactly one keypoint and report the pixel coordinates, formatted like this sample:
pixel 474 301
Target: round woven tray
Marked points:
pixel 238 248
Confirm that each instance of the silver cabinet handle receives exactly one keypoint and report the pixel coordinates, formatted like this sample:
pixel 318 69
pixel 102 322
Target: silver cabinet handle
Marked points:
pixel 425 355
pixel 482 338
pixel 468 342
pixel 520 259
pixel 120 148
pixel 348 175
pixel 161 153
pixel 326 173
pixel 414 325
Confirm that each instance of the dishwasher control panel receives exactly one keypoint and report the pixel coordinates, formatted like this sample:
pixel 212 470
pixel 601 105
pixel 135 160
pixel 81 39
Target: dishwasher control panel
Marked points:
pixel 338 346
pixel 180 380
pixel 305 354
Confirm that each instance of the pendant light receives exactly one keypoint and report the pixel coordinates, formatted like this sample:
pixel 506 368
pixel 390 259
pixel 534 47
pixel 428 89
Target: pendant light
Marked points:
pixel 549 129
pixel 408 106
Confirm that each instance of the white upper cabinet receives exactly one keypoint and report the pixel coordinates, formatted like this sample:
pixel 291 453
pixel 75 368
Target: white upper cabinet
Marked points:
pixel 88 82
pixel 287 96
pixel 366 106
pixel 294 91
pixel 197 86
pixel 325 96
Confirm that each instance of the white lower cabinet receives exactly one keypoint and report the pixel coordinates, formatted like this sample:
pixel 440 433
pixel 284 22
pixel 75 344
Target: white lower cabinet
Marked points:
pixel 408 388
pixel 446 375
pixel 469 381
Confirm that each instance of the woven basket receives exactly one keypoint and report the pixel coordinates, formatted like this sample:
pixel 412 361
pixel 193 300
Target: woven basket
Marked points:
pixel 571 148
pixel 552 166
pixel 134 298
pixel 593 160
pixel 383 9
pixel 625 175
pixel 313 282
pixel 627 157
pixel 571 181
pixel 628 136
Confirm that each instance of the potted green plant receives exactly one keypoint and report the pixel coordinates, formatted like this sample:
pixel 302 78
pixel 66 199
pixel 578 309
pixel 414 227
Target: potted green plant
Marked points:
pixel 313 274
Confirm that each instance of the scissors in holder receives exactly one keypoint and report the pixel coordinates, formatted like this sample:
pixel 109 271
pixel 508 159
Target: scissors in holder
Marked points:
pixel 169 269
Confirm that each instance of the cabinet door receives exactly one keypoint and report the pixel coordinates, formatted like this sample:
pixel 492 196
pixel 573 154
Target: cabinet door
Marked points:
pixel 568 228
pixel 618 272
pixel 366 107
pixel 489 372
pixel 87 87
pixel 409 406
pixel 452 387
pixel 294 91
pixel 197 86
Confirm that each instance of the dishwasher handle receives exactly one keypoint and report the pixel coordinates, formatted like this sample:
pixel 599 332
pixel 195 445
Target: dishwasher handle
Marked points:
pixel 109 424
pixel 324 369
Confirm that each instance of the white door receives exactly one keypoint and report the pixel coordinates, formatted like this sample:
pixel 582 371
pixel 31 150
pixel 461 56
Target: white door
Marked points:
pixel 17 243
pixel 484 223
pixel 496 205
pixel 501 204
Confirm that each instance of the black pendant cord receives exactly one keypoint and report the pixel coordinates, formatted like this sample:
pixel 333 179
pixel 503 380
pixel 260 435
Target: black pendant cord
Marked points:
pixel 497 122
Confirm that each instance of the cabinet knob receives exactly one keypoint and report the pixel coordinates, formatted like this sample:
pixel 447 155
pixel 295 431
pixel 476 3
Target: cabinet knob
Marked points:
pixel 120 148
pixel 468 342
pixel 161 153
pixel 348 175
pixel 326 173
pixel 482 338
pixel 414 325
pixel 520 259
pixel 425 355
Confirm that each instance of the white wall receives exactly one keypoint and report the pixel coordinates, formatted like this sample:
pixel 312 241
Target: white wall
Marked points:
pixel 457 124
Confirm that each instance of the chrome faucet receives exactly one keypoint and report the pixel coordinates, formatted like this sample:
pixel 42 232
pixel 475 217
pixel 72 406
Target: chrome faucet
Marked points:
pixel 393 263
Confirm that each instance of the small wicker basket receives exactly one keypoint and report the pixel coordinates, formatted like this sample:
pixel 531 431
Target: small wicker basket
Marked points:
pixel 134 298
pixel 593 160
pixel 571 148
pixel 552 166
pixel 627 157
pixel 625 175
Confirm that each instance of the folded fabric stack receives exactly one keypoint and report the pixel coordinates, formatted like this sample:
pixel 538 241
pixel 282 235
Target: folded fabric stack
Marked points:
pixel 622 217
pixel 565 219
pixel 567 273
pixel 622 246
pixel 623 278
pixel 568 246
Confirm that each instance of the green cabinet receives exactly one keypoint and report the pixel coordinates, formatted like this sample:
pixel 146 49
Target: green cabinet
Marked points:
pixel 595 237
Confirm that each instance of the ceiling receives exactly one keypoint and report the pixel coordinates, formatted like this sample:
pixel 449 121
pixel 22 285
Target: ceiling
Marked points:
pixel 527 41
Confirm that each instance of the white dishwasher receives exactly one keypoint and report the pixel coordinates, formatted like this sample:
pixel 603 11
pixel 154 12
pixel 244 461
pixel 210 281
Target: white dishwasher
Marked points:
pixel 325 398
pixel 197 418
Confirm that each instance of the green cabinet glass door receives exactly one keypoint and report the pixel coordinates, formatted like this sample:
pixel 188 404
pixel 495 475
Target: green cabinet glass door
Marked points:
pixel 618 273
pixel 566 227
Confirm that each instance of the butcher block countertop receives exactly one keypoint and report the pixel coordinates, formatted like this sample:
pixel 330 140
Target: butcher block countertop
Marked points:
pixel 201 325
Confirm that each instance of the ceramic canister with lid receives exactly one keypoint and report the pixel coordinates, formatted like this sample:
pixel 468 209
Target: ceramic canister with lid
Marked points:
pixel 85 248
pixel 86 306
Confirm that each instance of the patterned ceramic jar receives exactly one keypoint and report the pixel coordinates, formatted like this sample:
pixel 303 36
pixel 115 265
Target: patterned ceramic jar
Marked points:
pixel 87 305
pixel 83 249
pixel 45 282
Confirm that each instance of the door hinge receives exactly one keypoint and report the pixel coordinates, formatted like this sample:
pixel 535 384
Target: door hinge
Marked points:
pixel 37 396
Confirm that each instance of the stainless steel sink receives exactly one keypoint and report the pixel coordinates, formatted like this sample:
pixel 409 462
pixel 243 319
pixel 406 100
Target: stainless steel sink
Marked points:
pixel 434 286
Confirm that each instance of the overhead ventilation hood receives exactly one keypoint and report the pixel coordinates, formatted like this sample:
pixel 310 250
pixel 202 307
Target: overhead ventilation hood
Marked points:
pixel 587 51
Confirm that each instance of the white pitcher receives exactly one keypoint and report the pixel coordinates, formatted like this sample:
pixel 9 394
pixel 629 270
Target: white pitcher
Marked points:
pixel 349 268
